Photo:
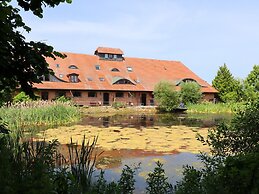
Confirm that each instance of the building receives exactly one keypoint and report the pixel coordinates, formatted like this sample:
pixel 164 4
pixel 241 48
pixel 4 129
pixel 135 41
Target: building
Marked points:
pixel 108 76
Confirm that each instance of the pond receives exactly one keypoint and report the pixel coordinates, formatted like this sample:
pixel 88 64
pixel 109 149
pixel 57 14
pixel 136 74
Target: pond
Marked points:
pixel 141 140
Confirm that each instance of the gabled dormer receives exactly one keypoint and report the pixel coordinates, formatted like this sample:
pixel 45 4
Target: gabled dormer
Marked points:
pixel 111 54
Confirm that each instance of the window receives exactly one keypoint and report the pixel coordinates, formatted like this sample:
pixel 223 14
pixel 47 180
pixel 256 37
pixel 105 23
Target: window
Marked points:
pixel 44 78
pixel 92 94
pixel 60 93
pixel 119 94
pixel 115 70
pixel 106 56
pixel 73 78
pixel 101 79
pixel 137 80
pixel 44 95
pixel 76 93
pixel 73 67
pixel 57 65
pixel 123 81
pixel 110 56
pixel 129 69
pixel 131 95
pixel 97 67
pixel 115 56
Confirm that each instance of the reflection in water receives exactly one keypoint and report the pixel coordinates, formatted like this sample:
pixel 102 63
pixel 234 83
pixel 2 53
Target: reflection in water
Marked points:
pixel 138 121
pixel 172 164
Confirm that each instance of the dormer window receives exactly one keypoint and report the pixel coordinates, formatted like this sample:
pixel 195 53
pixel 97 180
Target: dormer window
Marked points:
pixel 73 78
pixel 73 67
pixel 111 54
pixel 121 80
pixel 115 70
pixel 186 80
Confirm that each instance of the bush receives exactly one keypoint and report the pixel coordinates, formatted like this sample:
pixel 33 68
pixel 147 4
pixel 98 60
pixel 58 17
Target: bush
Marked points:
pixel 166 96
pixel 233 166
pixel 190 92
pixel 157 181
pixel 118 105
pixel 21 97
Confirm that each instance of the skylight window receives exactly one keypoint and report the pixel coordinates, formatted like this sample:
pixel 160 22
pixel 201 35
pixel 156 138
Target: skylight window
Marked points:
pixel 97 67
pixel 61 75
pixel 101 79
pixel 57 65
pixel 129 69
pixel 90 79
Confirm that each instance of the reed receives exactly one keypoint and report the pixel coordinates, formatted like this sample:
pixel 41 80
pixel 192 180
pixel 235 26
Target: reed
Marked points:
pixel 35 114
pixel 213 108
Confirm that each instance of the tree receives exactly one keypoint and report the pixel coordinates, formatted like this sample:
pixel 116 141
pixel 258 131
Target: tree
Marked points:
pixel 22 62
pixel 166 96
pixel 252 84
pixel 232 166
pixel 253 78
pixel 190 92
pixel 225 83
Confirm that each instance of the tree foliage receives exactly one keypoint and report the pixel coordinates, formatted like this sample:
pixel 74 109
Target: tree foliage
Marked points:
pixel 225 83
pixel 251 84
pixel 233 166
pixel 253 78
pixel 22 62
pixel 166 96
pixel 190 92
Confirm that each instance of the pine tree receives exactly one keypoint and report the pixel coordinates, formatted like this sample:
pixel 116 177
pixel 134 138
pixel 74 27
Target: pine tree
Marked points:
pixel 226 84
pixel 253 78
pixel 252 84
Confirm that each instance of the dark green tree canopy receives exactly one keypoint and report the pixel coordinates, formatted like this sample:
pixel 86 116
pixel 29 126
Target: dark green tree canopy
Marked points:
pixel 226 84
pixel 253 78
pixel 22 62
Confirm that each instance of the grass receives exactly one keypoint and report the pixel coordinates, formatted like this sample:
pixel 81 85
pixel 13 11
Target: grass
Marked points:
pixel 35 114
pixel 213 108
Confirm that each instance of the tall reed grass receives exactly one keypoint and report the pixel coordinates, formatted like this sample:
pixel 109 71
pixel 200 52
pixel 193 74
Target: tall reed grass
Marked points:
pixel 35 114
pixel 207 107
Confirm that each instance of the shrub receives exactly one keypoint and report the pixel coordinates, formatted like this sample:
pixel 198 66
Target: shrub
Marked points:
pixel 166 96
pixel 21 97
pixel 190 92
pixel 157 181
pixel 118 105
pixel 233 166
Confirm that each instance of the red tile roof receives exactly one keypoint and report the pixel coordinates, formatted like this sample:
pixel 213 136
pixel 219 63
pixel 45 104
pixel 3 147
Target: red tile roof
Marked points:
pixel 109 50
pixel 146 73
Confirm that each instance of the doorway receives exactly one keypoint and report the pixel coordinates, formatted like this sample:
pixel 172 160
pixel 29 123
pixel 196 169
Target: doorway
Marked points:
pixel 106 99
pixel 143 99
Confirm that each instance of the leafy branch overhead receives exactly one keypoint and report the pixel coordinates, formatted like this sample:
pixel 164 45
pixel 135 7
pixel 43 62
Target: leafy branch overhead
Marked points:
pixel 22 62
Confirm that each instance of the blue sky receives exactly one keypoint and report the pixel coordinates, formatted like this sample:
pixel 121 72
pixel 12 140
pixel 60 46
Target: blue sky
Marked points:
pixel 202 34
